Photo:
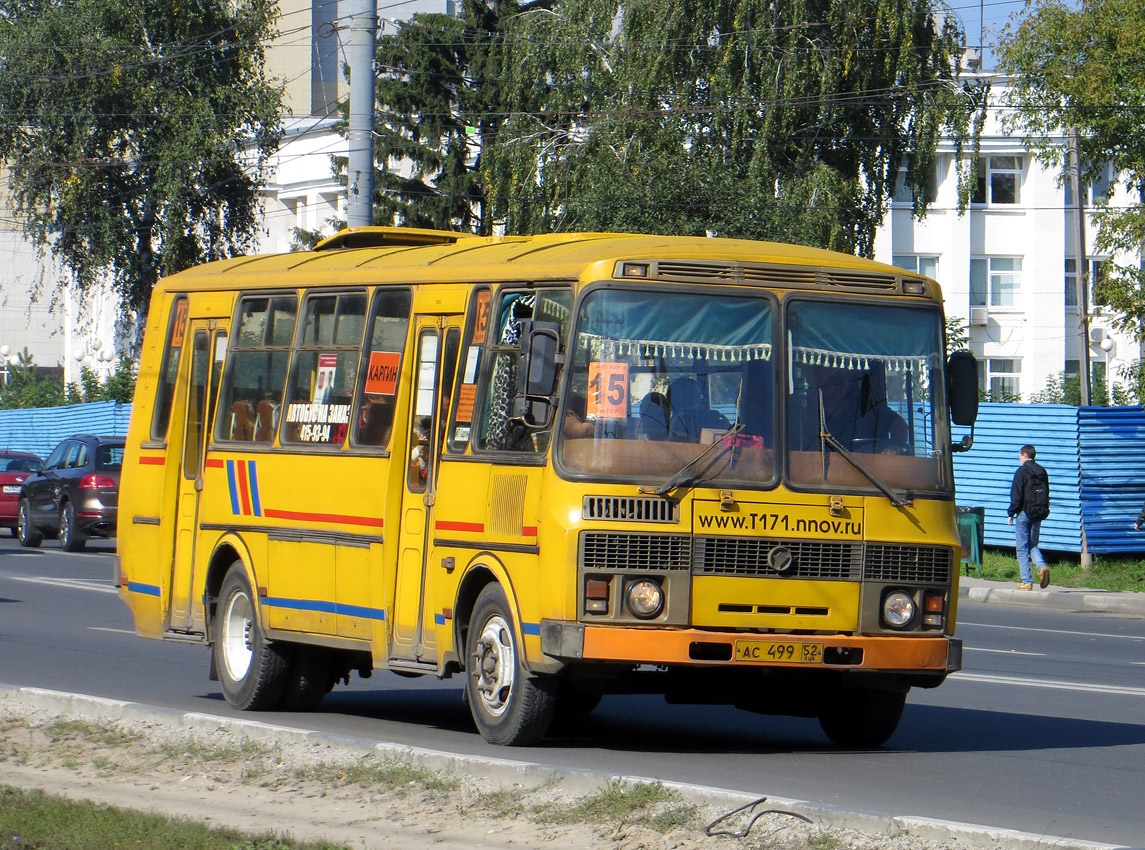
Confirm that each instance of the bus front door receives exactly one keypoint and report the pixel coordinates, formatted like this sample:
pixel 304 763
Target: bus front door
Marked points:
pixel 208 349
pixel 437 341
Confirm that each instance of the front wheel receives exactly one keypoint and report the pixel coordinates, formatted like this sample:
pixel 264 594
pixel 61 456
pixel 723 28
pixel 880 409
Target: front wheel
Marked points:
pixel 71 538
pixel 509 705
pixel 29 535
pixel 252 670
pixel 862 717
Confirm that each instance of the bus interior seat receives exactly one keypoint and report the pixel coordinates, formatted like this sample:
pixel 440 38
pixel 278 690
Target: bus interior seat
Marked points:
pixel 654 416
pixel 688 413
pixel 242 421
pixel 378 420
pixel 266 422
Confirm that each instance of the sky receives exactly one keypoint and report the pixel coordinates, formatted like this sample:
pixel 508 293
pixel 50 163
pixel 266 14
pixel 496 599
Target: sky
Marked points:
pixel 984 20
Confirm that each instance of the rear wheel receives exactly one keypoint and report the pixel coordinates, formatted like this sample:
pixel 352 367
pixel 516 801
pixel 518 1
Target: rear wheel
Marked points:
pixel 252 670
pixel 29 535
pixel 862 717
pixel 71 538
pixel 509 705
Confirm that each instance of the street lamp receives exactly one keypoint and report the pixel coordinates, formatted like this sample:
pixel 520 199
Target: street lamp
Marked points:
pixel 7 359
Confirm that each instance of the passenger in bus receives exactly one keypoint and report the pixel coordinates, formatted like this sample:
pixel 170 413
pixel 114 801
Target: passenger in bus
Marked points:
pixel 854 414
pixel 654 416
pixel 689 412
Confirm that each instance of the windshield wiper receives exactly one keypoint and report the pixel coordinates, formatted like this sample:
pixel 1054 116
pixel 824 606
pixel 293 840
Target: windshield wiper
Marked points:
pixel 681 477
pixel 826 438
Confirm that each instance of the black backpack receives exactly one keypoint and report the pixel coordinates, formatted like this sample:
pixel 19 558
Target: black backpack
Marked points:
pixel 1036 498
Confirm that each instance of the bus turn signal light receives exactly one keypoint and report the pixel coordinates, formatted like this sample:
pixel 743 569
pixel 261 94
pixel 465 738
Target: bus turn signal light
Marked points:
pixel 596 596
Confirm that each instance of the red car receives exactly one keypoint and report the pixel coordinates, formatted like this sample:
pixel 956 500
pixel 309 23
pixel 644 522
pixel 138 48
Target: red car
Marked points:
pixel 15 467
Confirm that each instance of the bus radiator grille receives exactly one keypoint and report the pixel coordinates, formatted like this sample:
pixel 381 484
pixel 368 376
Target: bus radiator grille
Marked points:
pixel 741 556
pixel 607 551
pixel 919 564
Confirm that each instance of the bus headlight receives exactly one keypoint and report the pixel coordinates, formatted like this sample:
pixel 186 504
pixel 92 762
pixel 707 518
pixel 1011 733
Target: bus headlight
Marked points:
pixel 644 598
pixel 898 609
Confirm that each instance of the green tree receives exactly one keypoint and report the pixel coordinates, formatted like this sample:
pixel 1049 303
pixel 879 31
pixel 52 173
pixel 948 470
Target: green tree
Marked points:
pixel 1080 70
pixel 787 120
pixel 136 132
pixel 26 387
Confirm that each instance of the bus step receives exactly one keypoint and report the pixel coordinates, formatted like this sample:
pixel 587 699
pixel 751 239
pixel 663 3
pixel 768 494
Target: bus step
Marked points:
pixel 408 665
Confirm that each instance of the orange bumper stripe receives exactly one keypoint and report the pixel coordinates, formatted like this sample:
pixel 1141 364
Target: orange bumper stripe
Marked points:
pixel 647 646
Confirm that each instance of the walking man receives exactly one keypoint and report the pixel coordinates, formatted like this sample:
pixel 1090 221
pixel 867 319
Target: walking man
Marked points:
pixel 1029 505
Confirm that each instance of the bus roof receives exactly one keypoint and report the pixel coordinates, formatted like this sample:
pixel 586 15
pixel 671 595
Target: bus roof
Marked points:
pixel 412 255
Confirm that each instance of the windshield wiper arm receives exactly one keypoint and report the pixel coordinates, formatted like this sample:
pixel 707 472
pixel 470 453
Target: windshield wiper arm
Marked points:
pixel 826 438
pixel 681 476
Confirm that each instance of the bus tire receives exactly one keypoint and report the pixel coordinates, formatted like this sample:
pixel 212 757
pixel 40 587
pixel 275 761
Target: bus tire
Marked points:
pixel 71 538
pixel 509 705
pixel 253 671
pixel 30 536
pixel 861 718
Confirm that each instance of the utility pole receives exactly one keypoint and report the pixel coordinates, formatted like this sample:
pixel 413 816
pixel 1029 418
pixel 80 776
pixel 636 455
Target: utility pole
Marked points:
pixel 1081 264
pixel 360 174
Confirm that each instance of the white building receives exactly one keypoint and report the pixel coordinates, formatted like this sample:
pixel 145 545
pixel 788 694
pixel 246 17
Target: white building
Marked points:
pixel 1006 265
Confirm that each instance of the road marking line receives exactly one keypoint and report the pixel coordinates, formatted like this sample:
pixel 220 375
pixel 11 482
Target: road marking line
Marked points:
pixel 962 623
pixel 117 631
pixel 1003 651
pixel 1048 683
pixel 102 585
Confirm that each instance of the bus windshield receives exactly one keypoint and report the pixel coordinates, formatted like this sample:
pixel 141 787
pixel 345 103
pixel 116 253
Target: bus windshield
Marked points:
pixel 656 378
pixel 684 387
pixel 865 378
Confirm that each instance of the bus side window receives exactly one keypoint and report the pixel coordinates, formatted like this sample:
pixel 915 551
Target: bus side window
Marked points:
pixel 255 371
pixel 495 430
pixel 169 368
pixel 381 367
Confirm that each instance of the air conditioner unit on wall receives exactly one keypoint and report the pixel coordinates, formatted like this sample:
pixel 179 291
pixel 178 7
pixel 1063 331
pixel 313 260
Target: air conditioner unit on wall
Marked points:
pixel 1098 335
pixel 979 317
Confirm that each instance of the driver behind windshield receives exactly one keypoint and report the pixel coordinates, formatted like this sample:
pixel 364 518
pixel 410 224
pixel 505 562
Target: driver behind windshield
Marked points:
pixel 855 411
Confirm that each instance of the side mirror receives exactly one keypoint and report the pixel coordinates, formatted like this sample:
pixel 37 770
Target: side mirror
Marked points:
pixel 537 374
pixel 962 387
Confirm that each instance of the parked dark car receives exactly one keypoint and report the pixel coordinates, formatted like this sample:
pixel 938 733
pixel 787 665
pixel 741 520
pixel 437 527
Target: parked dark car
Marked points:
pixel 75 496
pixel 15 467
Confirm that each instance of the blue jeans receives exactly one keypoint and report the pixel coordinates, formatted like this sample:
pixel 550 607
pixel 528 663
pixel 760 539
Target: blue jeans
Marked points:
pixel 1026 542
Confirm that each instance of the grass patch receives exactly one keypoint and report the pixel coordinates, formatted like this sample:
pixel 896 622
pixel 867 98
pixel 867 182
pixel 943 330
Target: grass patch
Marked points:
pixel 615 803
pixel 501 804
pixel 32 820
pixel 1108 573
pixel 197 751
pixel 387 774
pixel 65 729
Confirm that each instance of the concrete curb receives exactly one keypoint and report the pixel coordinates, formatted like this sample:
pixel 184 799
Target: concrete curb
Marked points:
pixel 529 774
pixel 1074 599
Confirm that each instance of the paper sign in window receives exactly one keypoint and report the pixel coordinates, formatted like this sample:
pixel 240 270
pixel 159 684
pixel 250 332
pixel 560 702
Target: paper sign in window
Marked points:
pixel 382 377
pixel 607 390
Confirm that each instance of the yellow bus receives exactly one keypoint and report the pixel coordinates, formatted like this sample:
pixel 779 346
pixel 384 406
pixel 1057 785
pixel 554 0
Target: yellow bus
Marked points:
pixel 561 466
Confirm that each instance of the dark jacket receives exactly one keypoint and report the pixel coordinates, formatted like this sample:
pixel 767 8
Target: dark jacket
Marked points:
pixel 1029 469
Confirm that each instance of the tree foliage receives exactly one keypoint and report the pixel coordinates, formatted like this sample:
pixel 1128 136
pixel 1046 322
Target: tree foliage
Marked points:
pixel 27 385
pixel 786 120
pixel 1080 69
pixel 136 131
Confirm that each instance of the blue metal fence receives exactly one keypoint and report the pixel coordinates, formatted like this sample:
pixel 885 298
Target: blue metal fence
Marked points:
pixel 40 429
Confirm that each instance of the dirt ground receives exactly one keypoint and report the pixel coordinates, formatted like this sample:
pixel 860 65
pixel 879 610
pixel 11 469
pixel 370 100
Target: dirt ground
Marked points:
pixel 356 800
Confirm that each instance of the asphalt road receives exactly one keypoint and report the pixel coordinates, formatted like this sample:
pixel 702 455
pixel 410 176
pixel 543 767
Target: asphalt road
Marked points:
pixel 1043 731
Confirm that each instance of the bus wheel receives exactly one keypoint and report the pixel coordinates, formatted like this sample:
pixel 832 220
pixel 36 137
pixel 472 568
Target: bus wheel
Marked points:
pixel 71 538
pixel 861 717
pixel 252 670
pixel 509 705
pixel 29 535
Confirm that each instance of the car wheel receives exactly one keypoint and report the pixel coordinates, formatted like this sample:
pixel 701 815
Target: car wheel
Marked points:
pixel 71 538
pixel 861 717
pixel 509 705
pixel 253 671
pixel 29 535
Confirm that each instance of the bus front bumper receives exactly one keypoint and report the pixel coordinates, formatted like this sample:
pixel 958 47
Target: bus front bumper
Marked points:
pixel 568 642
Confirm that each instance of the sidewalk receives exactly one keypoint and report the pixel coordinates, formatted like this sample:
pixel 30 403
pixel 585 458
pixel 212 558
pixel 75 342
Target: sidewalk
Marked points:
pixel 1079 599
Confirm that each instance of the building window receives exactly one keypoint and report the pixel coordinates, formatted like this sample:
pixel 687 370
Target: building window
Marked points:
pixel 1097 191
pixel 917 263
pixel 904 194
pixel 1002 379
pixel 994 281
pixel 999 180
pixel 1097 269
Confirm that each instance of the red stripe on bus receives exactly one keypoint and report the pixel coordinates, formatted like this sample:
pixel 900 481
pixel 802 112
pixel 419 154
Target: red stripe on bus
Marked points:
pixel 446 525
pixel 215 463
pixel 151 460
pixel 529 531
pixel 244 488
pixel 372 521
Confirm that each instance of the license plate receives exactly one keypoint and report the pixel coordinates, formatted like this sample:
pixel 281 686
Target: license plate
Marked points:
pixel 10 490
pixel 779 651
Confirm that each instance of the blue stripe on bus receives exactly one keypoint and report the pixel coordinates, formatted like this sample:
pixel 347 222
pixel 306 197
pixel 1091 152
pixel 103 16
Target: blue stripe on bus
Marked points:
pixel 324 607
pixel 439 619
pixel 530 628
pixel 252 477
pixel 234 487
pixel 145 589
